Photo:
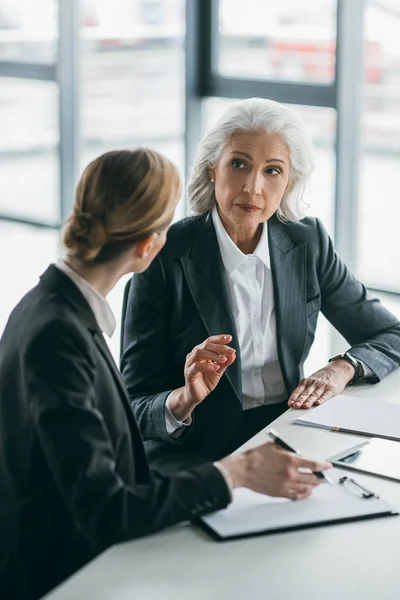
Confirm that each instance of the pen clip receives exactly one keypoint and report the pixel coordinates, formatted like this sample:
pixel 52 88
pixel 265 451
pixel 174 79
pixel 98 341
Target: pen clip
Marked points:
pixel 351 483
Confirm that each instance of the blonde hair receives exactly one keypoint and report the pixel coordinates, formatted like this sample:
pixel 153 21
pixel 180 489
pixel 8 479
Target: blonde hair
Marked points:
pixel 255 114
pixel 122 197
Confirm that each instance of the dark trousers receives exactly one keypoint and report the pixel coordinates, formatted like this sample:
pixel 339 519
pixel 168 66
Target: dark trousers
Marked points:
pixel 253 420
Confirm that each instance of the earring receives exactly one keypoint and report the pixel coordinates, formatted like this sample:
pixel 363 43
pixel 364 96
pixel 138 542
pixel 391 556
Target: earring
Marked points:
pixel 212 180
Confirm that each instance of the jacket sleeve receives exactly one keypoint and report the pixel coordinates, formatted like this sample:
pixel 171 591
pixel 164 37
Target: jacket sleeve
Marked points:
pixel 371 330
pixel 146 355
pixel 74 437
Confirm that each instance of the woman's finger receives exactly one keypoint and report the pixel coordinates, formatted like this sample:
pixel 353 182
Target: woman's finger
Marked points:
pixel 310 392
pixel 218 339
pixel 217 348
pixel 201 367
pixel 296 392
pixel 327 395
pixel 202 355
pixel 229 360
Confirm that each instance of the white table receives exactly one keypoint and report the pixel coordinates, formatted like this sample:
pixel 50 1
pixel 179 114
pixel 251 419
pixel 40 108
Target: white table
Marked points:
pixel 357 561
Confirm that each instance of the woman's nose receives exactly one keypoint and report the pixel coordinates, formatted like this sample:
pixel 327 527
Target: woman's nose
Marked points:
pixel 253 185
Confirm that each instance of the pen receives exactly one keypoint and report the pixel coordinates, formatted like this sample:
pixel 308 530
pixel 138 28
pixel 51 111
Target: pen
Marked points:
pixel 280 442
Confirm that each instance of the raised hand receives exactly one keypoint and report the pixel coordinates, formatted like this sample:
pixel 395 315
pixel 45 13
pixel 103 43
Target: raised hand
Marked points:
pixel 204 367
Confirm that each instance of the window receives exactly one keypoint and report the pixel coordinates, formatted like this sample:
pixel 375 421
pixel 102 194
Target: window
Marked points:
pixel 286 40
pixel 133 77
pixel 28 31
pixel 379 207
pixel 25 252
pixel 28 144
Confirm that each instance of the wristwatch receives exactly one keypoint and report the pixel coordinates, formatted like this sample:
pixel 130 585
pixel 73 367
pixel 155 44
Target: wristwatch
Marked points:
pixel 358 369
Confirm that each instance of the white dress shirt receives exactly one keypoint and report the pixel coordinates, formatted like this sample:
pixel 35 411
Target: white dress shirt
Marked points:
pixel 101 309
pixel 251 288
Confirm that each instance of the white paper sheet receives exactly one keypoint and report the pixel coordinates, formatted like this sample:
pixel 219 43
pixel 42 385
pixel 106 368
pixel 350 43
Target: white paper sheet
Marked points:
pixel 358 415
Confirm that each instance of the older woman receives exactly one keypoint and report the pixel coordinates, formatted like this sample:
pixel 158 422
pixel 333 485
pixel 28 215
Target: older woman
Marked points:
pixel 249 265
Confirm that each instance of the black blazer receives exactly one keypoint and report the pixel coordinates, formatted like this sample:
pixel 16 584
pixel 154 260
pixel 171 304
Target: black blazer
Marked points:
pixel 183 298
pixel 73 472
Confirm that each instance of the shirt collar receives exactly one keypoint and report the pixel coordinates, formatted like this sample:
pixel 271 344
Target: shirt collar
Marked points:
pixel 101 309
pixel 232 256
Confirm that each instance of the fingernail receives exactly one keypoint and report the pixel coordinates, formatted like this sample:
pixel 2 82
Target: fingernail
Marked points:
pixel 215 367
pixel 297 404
pixel 226 337
pixel 306 404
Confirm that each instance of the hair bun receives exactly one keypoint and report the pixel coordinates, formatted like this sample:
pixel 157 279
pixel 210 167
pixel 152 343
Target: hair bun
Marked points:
pixel 87 234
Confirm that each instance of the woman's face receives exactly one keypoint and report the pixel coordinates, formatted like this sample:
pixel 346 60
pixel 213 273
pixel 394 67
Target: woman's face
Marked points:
pixel 251 178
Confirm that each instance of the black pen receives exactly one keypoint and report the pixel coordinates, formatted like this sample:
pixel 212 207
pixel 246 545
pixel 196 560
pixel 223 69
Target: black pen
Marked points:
pixel 278 440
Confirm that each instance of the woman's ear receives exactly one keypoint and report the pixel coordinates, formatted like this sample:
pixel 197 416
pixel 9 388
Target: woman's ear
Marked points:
pixel 211 174
pixel 144 247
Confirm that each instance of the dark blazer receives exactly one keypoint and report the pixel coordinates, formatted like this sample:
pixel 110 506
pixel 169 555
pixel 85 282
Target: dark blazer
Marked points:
pixel 183 298
pixel 73 472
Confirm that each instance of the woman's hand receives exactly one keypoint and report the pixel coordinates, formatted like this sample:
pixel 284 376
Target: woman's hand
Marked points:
pixel 268 469
pixel 204 367
pixel 322 385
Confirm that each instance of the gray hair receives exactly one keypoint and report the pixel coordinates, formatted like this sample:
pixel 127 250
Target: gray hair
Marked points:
pixel 255 114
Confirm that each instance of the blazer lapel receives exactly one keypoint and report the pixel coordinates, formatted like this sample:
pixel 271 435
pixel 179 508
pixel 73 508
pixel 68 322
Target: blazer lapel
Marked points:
pixel 288 264
pixel 206 279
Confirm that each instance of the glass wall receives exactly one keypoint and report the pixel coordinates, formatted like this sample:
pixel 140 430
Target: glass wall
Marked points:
pixel 131 92
pixel 287 40
pixel 379 206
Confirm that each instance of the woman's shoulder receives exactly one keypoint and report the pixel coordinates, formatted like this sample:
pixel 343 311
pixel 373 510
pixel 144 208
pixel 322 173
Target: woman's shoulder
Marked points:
pixel 309 229
pixel 182 233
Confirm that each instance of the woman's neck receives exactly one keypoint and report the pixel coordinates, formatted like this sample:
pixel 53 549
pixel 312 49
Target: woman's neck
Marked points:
pixel 245 238
pixel 103 277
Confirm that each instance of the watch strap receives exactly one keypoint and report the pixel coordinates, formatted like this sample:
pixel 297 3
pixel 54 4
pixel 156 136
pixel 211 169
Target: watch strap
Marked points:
pixel 358 370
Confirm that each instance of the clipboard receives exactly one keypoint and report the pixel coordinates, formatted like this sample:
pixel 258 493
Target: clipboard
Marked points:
pixel 251 514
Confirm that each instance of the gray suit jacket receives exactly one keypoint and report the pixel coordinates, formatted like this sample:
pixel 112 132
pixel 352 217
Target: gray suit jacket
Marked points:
pixel 183 298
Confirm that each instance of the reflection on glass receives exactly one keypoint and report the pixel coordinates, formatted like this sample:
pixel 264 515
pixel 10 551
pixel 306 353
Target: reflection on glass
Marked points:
pixel 29 135
pixel 25 252
pixel 379 208
pixel 28 31
pixel 292 40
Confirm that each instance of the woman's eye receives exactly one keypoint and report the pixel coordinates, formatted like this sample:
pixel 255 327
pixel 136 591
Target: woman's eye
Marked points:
pixel 272 171
pixel 238 164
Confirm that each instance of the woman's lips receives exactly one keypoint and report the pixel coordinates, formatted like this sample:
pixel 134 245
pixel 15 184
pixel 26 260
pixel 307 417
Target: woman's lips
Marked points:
pixel 249 208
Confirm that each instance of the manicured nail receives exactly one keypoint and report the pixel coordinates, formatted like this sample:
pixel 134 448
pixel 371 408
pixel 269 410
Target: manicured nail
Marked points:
pixel 297 404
